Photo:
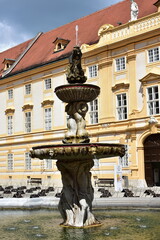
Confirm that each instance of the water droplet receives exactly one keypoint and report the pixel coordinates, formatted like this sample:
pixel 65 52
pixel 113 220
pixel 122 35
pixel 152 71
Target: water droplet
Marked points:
pixel 113 228
pixel 12 228
pixel 142 226
pixel 35 227
pixel 27 220
pixel 39 235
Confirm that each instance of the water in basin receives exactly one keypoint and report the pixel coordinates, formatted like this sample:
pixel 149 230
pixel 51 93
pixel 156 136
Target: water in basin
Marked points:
pixel 44 224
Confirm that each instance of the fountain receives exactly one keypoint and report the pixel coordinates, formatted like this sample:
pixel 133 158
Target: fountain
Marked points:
pixel 75 156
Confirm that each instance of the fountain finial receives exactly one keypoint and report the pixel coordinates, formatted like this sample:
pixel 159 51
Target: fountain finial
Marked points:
pixel 75 73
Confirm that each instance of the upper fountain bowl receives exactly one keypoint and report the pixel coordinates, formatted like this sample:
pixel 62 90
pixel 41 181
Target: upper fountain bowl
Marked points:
pixel 77 92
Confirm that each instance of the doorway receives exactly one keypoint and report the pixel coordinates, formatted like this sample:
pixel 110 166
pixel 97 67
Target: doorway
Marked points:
pixel 152 160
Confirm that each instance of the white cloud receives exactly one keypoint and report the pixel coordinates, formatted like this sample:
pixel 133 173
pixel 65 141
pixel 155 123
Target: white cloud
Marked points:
pixel 10 36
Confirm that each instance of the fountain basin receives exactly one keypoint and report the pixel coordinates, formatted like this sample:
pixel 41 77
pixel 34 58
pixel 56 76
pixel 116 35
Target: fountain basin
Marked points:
pixel 70 152
pixel 77 92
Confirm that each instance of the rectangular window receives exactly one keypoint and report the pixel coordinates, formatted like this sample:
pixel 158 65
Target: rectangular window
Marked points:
pixel 93 111
pixel 10 161
pixel 27 161
pixel 121 106
pixel 120 64
pixel 10 125
pixel 153 55
pixel 28 122
pixel 28 89
pixel 48 84
pixel 48 163
pixel 124 160
pixel 48 118
pixel 10 93
pixel 93 71
pixel 153 100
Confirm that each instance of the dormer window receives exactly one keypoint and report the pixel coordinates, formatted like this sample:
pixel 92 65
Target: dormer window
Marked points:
pixel 8 63
pixel 60 44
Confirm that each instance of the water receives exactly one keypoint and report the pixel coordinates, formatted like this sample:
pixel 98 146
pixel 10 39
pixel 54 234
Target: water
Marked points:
pixel 44 224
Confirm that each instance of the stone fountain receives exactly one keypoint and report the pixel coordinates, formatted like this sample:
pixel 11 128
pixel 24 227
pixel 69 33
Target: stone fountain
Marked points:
pixel 75 156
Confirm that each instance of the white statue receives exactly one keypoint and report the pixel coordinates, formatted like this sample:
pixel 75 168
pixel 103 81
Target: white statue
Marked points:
pixel 134 10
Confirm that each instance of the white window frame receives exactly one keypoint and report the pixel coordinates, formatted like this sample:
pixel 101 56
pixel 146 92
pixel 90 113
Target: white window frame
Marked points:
pixel 10 161
pixel 48 118
pixel 28 163
pixel 93 71
pixel 153 100
pixel 48 164
pixel 120 64
pixel 152 54
pixel 28 89
pixel 10 124
pixel 93 111
pixel 10 94
pixel 124 161
pixel 28 122
pixel 48 84
pixel 121 107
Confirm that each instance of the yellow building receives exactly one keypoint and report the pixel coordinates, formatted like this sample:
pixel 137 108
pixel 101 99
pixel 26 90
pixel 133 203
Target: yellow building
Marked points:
pixel 121 54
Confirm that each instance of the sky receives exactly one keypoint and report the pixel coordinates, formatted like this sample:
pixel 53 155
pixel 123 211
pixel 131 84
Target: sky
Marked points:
pixel 21 20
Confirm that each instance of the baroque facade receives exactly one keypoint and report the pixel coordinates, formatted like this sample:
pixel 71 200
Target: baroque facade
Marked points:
pixel 122 57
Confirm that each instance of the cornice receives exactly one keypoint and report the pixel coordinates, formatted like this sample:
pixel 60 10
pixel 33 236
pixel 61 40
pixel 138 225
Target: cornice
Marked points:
pixel 118 86
pixel 27 107
pixel 9 111
pixel 47 102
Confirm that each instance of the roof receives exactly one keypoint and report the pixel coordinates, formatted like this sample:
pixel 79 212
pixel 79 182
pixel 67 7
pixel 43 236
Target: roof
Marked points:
pixel 41 52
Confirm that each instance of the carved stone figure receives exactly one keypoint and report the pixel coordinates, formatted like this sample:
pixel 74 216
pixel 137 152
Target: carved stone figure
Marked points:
pixel 75 73
pixel 134 10
pixel 76 123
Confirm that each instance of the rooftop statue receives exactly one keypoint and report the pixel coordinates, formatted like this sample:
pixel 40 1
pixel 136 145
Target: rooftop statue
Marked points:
pixel 134 10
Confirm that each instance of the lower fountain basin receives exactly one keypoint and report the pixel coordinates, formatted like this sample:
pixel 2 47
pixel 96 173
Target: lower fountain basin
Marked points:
pixel 70 152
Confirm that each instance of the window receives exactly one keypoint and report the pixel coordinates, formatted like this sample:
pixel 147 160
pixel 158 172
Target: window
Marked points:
pixel 48 118
pixel 27 161
pixel 10 161
pixel 124 160
pixel 10 93
pixel 28 122
pixel 93 106
pixel 120 64
pixel 153 55
pixel 121 106
pixel 48 163
pixel 93 71
pixel 48 84
pixel 10 125
pixel 28 89
pixel 153 100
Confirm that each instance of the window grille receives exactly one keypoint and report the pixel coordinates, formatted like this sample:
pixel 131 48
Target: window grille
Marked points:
pixel 48 84
pixel 10 125
pixel 153 55
pixel 120 64
pixel 28 122
pixel 27 161
pixel 153 100
pixel 93 71
pixel 122 106
pixel 48 119
pixel 10 161
pixel 93 111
